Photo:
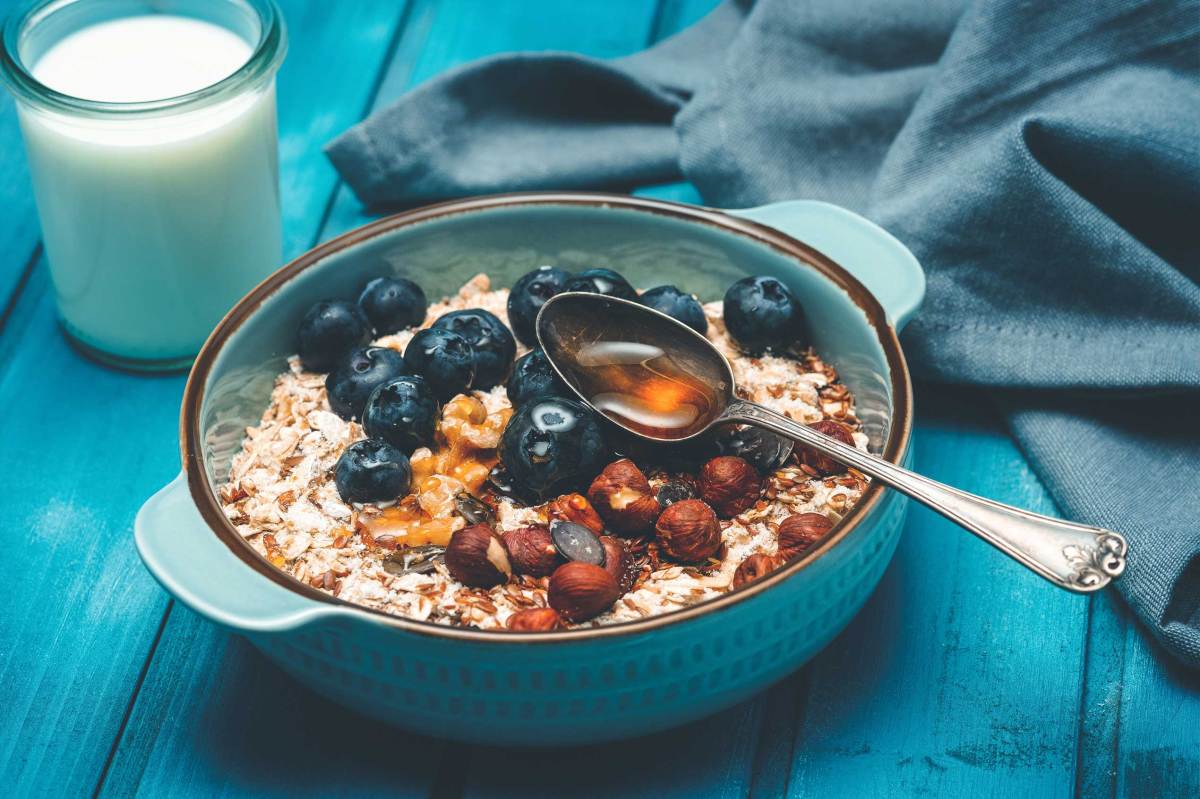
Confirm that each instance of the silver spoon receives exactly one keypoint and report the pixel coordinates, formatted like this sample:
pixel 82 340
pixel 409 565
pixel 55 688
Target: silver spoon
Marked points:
pixel 664 382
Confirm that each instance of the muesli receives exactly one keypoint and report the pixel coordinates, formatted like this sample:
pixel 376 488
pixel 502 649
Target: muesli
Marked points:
pixel 421 460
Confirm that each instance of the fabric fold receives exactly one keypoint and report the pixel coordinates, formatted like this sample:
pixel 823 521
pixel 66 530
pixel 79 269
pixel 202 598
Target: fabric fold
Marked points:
pixel 1042 161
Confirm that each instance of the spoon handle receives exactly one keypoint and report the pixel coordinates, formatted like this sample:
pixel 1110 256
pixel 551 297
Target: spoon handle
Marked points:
pixel 1076 557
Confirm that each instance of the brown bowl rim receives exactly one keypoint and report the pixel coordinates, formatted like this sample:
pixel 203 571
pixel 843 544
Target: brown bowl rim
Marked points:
pixel 207 503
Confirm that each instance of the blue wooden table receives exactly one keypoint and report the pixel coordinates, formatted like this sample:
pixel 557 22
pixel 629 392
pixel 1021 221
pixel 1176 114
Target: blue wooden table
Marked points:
pixel 964 675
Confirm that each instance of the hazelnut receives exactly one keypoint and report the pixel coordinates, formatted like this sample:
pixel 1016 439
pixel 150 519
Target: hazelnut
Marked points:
pixel 753 567
pixel 536 620
pixel 823 464
pixel 531 550
pixel 623 497
pixel 689 531
pixel 800 531
pixel 618 563
pixel 581 591
pixel 576 508
pixel 730 485
pixel 476 557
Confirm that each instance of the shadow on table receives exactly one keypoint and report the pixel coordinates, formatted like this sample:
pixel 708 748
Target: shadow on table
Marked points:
pixel 262 731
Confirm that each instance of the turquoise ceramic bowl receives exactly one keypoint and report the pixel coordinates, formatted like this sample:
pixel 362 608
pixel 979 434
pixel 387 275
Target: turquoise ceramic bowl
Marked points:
pixel 858 285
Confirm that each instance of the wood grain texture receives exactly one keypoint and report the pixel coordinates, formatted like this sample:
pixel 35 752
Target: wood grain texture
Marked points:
pixel 963 675
pixel 19 232
pixel 235 724
pixel 714 757
pixel 80 612
pixel 82 447
pixel 1140 728
pixel 441 34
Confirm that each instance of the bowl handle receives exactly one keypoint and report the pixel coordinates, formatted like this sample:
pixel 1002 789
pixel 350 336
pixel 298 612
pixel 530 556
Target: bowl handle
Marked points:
pixel 192 563
pixel 867 251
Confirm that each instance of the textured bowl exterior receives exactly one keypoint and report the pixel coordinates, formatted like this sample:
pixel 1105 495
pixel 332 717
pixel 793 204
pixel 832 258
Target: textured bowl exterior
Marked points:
pixel 586 691
pixel 560 688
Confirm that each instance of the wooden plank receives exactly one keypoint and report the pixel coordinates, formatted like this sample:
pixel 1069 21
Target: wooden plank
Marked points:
pixel 710 758
pixel 213 716
pixel 1140 734
pixel 720 756
pixel 19 232
pixel 449 33
pixel 84 445
pixel 18 225
pixel 80 612
pixel 962 675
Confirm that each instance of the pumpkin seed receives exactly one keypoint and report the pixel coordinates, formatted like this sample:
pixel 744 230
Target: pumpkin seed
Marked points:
pixel 472 509
pixel 414 560
pixel 576 542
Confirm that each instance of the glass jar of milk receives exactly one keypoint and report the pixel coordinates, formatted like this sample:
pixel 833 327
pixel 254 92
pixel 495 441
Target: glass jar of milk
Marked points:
pixel 150 131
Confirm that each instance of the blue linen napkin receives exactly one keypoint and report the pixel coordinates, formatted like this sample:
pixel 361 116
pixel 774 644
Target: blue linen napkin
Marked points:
pixel 1041 159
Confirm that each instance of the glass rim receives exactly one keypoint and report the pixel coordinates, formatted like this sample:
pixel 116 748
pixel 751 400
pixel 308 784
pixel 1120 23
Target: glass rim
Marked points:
pixel 264 60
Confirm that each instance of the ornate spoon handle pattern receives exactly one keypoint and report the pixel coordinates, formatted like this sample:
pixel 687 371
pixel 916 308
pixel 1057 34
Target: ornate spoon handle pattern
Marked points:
pixel 1077 557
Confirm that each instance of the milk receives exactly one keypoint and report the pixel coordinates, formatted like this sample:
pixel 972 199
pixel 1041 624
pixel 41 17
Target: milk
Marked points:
pixel 153 224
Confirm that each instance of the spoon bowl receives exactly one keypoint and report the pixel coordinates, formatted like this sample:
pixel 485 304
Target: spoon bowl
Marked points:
pixel 645 371
pixel 663 382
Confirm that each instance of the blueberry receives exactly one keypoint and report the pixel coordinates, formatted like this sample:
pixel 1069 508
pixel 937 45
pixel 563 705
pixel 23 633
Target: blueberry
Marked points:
pixel 444 358
pixel 761 314
pixel 372 471
pixel 527 297
pixel 329 330
pixel 602 281
pixel 552 445
pixel 677 305
pixel 392 304
pixel 498 480
pixel 493 343
pixel 402 412
pixel 359 373
pixel 533 377
pixel 674 491
pixel 473 509
pixel 765 450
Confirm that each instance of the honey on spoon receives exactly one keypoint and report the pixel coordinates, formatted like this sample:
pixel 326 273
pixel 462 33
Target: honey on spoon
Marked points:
pixel 660 380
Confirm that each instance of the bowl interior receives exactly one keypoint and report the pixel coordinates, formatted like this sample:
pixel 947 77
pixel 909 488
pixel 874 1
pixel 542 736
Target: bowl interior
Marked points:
pixel 443 252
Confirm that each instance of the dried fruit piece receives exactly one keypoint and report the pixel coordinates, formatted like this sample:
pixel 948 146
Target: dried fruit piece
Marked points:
pixel 414 560
pixel 472 509
pixel 689 531
pixel 476 557
pixel 800 531
pixel 622 495
pixel 536 620
pixel 582 591
pixel 823 464
pixel 576 508
pixel 406 524
pixel 730 485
